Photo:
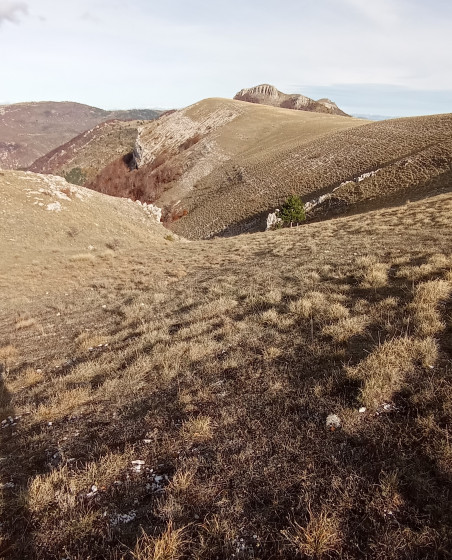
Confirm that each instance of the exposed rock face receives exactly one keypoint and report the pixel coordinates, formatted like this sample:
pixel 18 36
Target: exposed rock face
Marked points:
pixel 266 94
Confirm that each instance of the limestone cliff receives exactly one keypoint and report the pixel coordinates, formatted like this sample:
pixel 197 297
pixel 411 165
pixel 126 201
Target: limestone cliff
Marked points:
pixel 266 94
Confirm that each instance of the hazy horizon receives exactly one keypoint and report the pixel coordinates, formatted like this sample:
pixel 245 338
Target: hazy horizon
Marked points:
pixel 389 59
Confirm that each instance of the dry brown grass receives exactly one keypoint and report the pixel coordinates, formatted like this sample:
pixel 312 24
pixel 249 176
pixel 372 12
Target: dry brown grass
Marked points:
pixel 435 264
pixel 63 404
pixel 384 371
pixel 427 297
pixel 26 379
pixel 169 546
pixel 346 328
pixel 83 257
pixel 221 383
pixel 87 340
pixel 372 274
pixel 198 429
pixel 8 355
pixel 411 155
pixel 25 323
pixel 320 537
pixel 59 491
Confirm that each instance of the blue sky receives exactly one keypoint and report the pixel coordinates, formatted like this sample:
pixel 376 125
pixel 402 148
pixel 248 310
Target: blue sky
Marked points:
pixel 389 57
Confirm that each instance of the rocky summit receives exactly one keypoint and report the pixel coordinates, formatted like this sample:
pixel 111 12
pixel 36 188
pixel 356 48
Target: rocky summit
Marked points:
pixel 266 94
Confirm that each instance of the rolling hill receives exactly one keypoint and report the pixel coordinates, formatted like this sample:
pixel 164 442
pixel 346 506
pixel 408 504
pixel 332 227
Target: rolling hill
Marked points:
pixel 179 152
pixel 268 95
pixel 31 130
pixel 220 167
pixel 368 166
pixel 285 394
pixel 83 157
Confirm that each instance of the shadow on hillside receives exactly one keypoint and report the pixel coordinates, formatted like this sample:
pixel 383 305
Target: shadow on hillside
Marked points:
pixel 16 542
pixel 383 477
pixel 335 208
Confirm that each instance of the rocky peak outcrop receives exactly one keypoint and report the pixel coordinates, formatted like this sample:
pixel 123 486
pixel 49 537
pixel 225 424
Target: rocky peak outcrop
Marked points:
pixel 266 94
pixel 265 90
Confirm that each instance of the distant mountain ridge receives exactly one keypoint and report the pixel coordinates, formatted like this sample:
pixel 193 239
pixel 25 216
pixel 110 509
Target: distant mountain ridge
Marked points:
pixel 266 94
pixel 30 130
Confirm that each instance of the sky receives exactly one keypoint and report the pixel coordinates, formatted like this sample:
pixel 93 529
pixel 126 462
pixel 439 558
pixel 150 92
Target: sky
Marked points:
pixel 373 57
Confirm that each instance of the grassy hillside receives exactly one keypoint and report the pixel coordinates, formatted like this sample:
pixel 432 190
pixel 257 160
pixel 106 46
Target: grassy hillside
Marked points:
pixel 83 157
pixel 178 152
pixel 165 399
pixel 412 158
pixel 219 167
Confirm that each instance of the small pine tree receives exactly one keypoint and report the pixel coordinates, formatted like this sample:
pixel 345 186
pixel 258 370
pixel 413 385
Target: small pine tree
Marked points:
pixel 75 176
pixel 292 211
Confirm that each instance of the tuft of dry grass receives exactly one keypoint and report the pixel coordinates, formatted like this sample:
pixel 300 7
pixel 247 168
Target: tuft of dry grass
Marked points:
pixel 60 489
pixel 26 379
pixel 107 254
pixel 197 429
pixel 8 355
pixel 346 328
pixel 319 306
pixel 168 546
pixel 25 324
pixel 384 370
pixel 320 537
pixel 87 340
pixel 83 257
pixel 427 297
pixel 371 273
pixel 434 264
pixel 62 404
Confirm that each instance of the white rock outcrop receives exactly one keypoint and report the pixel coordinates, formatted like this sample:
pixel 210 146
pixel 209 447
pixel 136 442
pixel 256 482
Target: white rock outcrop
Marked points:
pixel 273 220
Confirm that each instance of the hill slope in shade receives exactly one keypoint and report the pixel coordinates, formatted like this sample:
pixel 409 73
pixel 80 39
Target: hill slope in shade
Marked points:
pixel 180 150
pixel 31 130
pixel 268 95
pixel 183 389
pixel 83 157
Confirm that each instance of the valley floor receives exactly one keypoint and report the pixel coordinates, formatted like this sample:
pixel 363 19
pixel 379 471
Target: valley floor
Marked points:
pixel 170 400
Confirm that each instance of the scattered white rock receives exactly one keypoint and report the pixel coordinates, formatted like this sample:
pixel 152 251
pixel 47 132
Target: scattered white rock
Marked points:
pixel 93 492
pixel 137 465
pixel 362 409
pixel 54 207
pixel 367 175
pixel 333 422
pixel 123 518
pixel 273 220
pixel 9 422
pixel 151 210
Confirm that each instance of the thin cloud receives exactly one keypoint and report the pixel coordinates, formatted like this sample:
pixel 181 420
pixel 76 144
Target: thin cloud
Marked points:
pixel 383 13
pixel 87 16
pixel 11 11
